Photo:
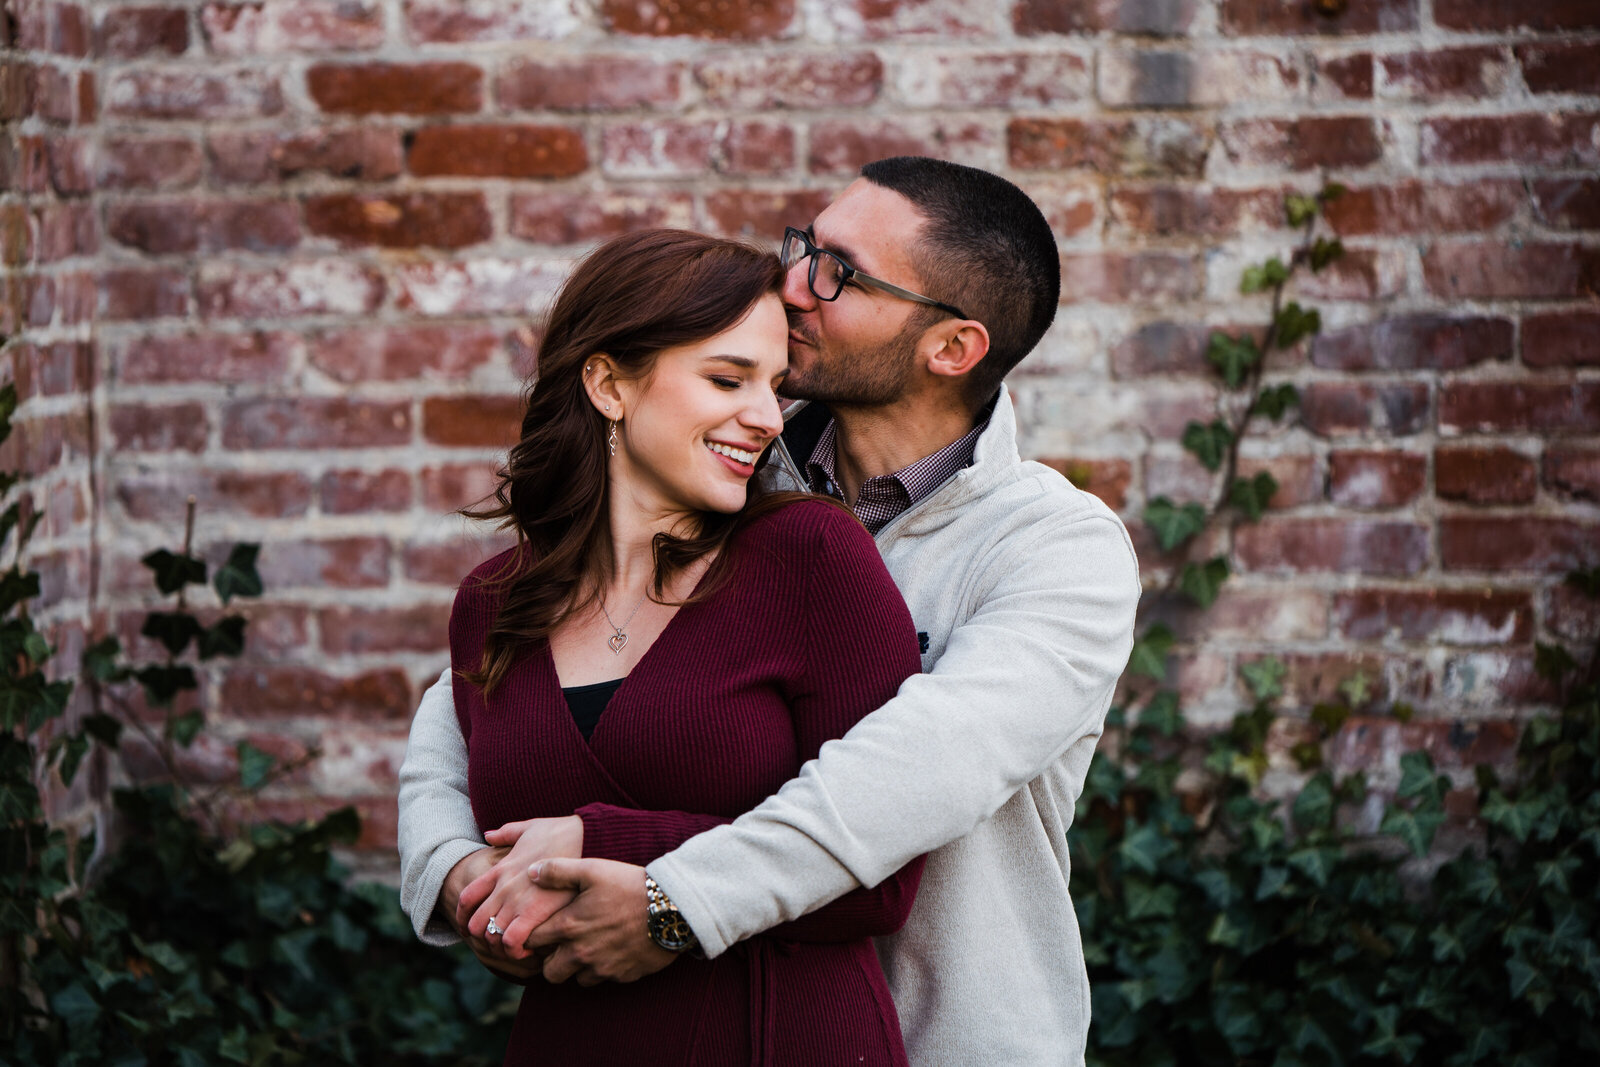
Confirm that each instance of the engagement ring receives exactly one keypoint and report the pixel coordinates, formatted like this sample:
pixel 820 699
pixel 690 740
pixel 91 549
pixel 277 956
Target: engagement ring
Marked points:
pixel 494 928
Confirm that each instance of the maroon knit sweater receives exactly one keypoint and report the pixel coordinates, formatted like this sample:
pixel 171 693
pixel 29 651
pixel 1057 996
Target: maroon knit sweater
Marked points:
pixel 806 636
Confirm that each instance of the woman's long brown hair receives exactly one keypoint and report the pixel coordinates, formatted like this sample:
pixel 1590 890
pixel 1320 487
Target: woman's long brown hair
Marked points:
pixel 630 299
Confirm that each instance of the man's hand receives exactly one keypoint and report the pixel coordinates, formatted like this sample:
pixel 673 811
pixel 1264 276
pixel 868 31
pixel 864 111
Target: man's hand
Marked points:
pixel 506 894
pixel 601 936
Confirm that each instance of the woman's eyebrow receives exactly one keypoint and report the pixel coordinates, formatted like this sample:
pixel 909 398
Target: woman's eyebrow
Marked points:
pixel 737 361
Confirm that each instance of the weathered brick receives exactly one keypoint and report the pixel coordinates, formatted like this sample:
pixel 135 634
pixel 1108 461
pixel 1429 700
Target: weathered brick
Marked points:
pixel 498 151
pixel 1363 744
pixel 396 88
pixel 1299 477
pixel 1147 146
pixel 1568 203
pixel 1177 209
pixel 1426 207
pixel 223 358
pixel 1162 347
pixel 53 369
pixel 477 286
pixel 159 427
pixel 1521 543
pixel 561 218
pixel 369 354
pixel 1573 472
pixel 1071 205
pixel 158 494
pixel 1364 274
pixel 354 631
pixel 1246 17
pixel 1348 77
pixel 312 287
pixel 993 79
pixel 1360 546
pixel 452 486
pixel 1484 475
pixel 143 294
pixel 1512 15
pixel 1466 270
pixel 1560 66
pixel 65 229
pixel 473 421
pixel 193 94
pixel 280 690
pixel 1159 18
pixel 1332 409
pixel 1561 339
pixel 1375 479
pixel 137 32
pixel 1482 71
pixel 1443 616
pixel 843 147
pixel 1130 277
pixel 337 563
pixel 1510 406
pixel 1107 479
pixel 761 82
pixel 1571 614
pixel 50 94
pixel 751 21
pixel 367 152
pixel 401 220
pixel 452 22
pixel 1415 342
pixel 1526 140
pixel 1173 79
pixel 161 227
pixel 315 422
pixel 758 213
pixel 149 163
pixel 1180 478
pixel 360 491
pixel 679 149
pixel 294 26
pixel 445 563
pixel 88 96
pixel 1304 143
pixel 590 83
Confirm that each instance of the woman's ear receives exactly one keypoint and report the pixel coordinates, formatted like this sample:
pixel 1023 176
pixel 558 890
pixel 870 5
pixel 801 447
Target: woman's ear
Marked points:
pixel 604 387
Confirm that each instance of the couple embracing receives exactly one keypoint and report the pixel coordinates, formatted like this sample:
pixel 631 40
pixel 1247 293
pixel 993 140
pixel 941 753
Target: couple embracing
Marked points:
pixel 761 744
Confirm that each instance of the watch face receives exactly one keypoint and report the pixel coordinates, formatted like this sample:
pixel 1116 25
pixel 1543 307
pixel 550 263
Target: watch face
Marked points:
pixel 669 930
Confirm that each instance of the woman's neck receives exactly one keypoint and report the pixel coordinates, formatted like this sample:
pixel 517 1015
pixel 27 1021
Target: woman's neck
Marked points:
pixel 633 533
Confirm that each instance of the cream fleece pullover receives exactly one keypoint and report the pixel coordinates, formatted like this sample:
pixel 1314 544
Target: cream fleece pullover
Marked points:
pixel 1026 588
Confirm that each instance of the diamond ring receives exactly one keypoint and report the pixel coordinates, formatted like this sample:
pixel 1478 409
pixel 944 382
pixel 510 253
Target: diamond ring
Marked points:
pixel 494 928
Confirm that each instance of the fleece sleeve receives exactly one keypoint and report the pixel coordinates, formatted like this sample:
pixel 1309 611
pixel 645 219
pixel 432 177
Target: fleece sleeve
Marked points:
pixel 1028 673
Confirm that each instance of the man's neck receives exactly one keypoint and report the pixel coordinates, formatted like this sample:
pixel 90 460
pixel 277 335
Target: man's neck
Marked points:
pixel 870 442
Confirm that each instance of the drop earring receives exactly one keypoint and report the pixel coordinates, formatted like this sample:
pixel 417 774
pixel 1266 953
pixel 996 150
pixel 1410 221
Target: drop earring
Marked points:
pixel 611 438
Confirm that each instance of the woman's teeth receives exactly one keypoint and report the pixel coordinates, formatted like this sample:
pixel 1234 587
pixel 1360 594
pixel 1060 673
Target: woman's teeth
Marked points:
pixel 737 454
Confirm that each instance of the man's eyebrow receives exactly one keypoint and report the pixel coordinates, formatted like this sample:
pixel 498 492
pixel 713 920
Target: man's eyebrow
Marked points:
pixel 842 251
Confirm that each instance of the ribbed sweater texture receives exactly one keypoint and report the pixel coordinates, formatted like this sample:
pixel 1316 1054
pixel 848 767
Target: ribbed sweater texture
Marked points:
pixel 807 635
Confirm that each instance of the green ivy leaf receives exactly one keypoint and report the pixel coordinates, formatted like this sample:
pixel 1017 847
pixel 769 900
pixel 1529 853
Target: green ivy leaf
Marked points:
pixel 1586 582
pixel 1415 828
pixel 100 660
pixel 1208 443
pixel 1330 717
pixel 237 576
pixel 1232 356
pixel 225 638
pixel 1201 582
pixel 1149 655
pixel 254 765
pixel 1144 902
pixel 1331 192
pixel 1275 400
pixel 1419 782
pixel 70 749
pixel 173 572
pixel 1324 252
pixel 1251 495
pixel 1272 882
pixel 1356 689
pixel 75 1006
pixel 1172 524
pixel 103 728
pixel 1162 713
pixel 1388 1040
pixel 1300 209
pixel 162 683
pixel 17 586
pixel 1265 677
pixel 174 629
pixel 1314 806
pixel 1294 323
pixel 186 727
pixel 1516 819
pixel 1267 275
pixel 1145 847
pixel 1552 662
pixel 1316 864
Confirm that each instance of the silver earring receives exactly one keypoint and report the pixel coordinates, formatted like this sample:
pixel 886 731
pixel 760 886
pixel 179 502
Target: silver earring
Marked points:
pixel 611 438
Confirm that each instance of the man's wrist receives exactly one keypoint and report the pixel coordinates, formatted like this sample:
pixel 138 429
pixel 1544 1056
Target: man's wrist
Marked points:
pixel 664 922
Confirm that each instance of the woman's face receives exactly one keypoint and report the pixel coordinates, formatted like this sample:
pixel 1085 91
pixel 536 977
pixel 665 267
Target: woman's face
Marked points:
pixel 695 425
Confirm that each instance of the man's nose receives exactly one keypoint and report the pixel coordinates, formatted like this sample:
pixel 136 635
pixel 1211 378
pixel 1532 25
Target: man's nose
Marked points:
pixel 796 289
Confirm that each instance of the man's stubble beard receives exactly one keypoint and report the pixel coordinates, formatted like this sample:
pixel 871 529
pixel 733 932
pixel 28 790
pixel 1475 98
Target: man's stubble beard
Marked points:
pixel 852 377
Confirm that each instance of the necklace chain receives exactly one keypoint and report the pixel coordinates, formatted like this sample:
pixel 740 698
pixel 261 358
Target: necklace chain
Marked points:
pixel 619 638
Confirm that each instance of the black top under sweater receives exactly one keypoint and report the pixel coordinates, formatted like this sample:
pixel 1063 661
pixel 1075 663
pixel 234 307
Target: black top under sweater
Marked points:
pixel 586 702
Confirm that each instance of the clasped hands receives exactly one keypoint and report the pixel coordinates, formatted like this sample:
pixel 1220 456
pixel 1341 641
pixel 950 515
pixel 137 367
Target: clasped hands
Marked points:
pixel 558 916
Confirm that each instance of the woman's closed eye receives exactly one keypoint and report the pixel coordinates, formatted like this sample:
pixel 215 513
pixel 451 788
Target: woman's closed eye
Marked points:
pixel 726 382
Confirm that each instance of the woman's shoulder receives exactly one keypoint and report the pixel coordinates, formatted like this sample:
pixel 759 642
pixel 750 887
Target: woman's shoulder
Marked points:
pixel 805 527
pixel 491 571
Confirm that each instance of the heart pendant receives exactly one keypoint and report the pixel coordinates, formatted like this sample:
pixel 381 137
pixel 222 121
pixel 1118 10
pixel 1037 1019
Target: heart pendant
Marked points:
pixel 617 641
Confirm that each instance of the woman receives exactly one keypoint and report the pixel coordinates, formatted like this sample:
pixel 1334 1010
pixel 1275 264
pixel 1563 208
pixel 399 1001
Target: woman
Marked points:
pixel 666 646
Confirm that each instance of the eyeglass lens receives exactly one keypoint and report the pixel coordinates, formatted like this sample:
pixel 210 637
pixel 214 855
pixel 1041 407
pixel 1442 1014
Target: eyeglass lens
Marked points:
pixel 826 273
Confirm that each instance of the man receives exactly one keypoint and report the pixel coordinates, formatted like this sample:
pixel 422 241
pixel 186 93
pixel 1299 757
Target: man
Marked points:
pixel 910 297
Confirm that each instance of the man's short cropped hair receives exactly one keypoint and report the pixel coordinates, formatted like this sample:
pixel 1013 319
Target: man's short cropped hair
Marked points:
pixel 987 249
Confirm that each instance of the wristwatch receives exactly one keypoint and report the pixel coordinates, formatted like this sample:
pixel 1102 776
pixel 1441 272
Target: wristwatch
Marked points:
pixel 664 921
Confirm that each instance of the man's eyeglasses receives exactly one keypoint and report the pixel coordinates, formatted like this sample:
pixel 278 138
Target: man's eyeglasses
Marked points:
pixel 828 273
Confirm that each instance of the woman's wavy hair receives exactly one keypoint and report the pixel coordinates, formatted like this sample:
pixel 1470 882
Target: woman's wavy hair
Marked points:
pixel 630 299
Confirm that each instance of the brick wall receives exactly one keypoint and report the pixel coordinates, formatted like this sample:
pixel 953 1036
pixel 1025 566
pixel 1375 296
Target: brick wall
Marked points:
pixel 295 251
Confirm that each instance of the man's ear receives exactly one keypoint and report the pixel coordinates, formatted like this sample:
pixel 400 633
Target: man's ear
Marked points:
pixel 955 346
pixel 605 388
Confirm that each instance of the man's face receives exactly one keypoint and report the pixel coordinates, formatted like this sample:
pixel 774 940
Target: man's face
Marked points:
pixel 860 348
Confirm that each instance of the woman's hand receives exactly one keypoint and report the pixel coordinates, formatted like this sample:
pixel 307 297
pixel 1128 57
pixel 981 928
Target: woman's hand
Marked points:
pixel 602 935
pixel 504 892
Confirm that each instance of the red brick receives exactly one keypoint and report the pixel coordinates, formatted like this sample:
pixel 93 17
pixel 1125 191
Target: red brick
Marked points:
pixel 876 20
pixel 1107 479
pixel 221 358
pixel 369 153
pixel 143 294
pixel 1071 206
pixel 1560 66
pixel 338 563
pixel 1416 342
pixel 1363 744
pixel 315 422
pixel 590 83
pixel 996 79
pixel 158 495
pixel 1573 472
pixel 1568 203
pixel 1180 478
pixel 1509 406
pixel 62 29
pixel 1342 77
pixel 756 148
pixel 563 218
pixel 354 631
pixel 53 370
pixel 1162 78
pixel 1174 209
pixel 677 149
pixel 843 147
pixel 1537 140
pixel 498 151
pixel 1376 479
pixel 192 94
pixel 486 421
pixel 1426 207
pixel 397 88
pixel 1272 17
pixel 1162 347
pixel 750 21
pixel 355 492
pixel 1320 677
pixel 1561 339
pixel 1130 277
pixel 1304 143
pixel 295 26
pixel 380 694
pixel 367 354
pixel 1467 270
pixel 311 287
pixel 67 164
pixel 1299 477
pixel 1361 546
pixel 477 286
pixel 65 229
pixel 1521 543
pixel 1443 616
pixel 149 163
pixel 88 97
pixel 51 94
pixel 1571 614
pixel 1335 408
pixel 442 563
pixel 1148 146
pixel 1035 17
pixel 1512 15
pixel 454 486
pixel 401 220
pixel 1484 475
pixel 760 82
pixel 159 427
pixel 136 32
pixel 758 213
pixel 1449 72
pixel 161 227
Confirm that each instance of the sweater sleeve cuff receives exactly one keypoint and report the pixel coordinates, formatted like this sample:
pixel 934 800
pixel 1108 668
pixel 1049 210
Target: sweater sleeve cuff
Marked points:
pixel 423 904
pixel 694 907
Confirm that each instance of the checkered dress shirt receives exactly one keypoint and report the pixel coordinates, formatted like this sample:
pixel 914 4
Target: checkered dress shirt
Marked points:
pixel 883 498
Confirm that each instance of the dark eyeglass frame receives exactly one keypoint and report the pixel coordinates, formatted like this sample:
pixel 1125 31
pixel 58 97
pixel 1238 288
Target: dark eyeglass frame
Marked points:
pixel 847 272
